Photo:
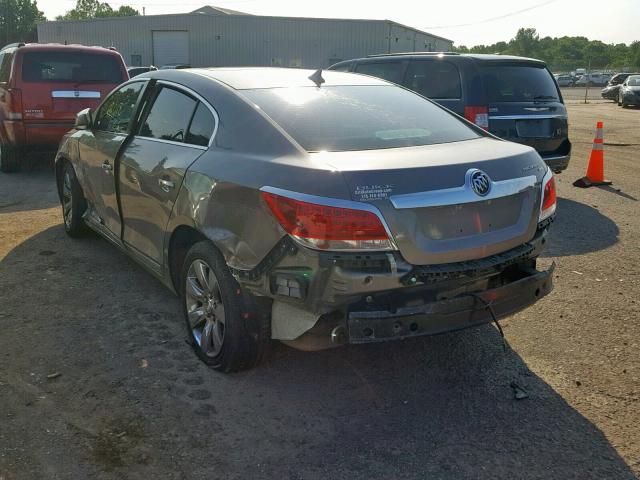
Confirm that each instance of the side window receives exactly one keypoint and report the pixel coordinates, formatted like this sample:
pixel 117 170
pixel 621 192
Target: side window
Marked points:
pixel 116 113
pixel 169 116
pixel 343 67
pixel 391 71
pixel 5 66
pixel 434 79
pixel 201 127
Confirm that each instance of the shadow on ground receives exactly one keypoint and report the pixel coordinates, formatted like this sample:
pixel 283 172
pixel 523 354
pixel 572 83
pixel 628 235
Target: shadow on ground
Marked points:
pixel 580 229
pixel 23 190
pixel 437 407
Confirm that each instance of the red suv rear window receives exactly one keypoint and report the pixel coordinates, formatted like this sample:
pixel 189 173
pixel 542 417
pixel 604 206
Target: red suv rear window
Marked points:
pixel 71 67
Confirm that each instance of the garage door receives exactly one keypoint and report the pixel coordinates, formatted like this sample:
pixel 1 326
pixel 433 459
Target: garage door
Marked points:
pixel 170 47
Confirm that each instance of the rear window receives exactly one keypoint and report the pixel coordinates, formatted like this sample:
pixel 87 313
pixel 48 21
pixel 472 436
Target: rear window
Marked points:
pixel 342 118
pixel 518 83
pixel 71 67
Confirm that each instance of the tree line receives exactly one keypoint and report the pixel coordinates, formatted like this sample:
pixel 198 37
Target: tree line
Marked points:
pixel 18 18
pixel 565 54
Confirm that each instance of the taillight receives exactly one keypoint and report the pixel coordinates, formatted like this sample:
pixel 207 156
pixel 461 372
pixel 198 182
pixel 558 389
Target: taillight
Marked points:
pixel 328 227
pixel 15 104
pixel 478 115
pixel 549 197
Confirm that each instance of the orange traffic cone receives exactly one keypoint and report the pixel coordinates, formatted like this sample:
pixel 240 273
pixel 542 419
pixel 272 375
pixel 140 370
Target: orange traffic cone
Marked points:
pixel 595 169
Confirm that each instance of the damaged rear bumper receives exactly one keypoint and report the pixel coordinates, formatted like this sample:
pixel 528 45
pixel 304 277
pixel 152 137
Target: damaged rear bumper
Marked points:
pixel 463 311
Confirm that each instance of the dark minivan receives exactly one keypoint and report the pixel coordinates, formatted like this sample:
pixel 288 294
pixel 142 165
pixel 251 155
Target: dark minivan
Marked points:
pixel 515 98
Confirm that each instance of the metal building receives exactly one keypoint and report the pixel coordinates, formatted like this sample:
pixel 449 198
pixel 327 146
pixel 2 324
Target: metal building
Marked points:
pixel 210 37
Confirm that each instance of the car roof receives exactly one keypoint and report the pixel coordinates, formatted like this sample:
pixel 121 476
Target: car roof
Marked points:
pixel 50 47
pixel 246 78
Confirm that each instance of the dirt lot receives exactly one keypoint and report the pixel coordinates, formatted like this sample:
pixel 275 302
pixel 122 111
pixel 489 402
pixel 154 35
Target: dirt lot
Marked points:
pixel 130 400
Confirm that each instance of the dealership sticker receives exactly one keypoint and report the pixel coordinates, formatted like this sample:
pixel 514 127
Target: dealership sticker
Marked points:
pixel 372 192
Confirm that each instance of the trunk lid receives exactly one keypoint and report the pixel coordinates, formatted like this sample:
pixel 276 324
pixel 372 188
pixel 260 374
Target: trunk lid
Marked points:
pixel 426 197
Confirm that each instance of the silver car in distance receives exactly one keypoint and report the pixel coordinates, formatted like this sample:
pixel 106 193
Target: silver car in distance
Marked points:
pixel 317 209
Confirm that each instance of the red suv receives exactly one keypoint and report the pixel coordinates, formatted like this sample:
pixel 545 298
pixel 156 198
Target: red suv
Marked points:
pixel 43 86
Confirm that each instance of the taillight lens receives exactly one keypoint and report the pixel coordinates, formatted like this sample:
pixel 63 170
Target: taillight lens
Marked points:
pixel 328 227
pixel 15 104
pixel 549 196
pixel 478 115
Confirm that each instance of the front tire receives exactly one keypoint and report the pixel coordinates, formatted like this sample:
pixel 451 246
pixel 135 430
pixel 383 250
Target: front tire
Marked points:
pixel 73 202
pixel 220 323
pixel 9 159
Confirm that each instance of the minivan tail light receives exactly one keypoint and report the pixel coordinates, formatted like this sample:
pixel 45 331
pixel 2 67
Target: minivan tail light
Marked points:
pixel 549 196
pixel 15 104
pixel 328 227
pixel 478 115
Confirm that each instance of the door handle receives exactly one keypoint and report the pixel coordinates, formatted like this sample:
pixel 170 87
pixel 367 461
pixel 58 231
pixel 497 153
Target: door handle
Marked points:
pixel 106 166
pixel 166 185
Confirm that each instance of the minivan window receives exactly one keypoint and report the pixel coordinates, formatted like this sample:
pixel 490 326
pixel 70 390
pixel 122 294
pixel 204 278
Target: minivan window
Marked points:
pixel 71 67
pixel 390 71
pixel 116 112
pixel 434 79
pixel 341 118
pixel 169 116
pixel 518 83
pixel 5 65
pixel 201 127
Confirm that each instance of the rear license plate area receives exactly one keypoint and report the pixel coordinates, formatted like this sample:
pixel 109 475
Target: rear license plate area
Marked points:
pixel 541 128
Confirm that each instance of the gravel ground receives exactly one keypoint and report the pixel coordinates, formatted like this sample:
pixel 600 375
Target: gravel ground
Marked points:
pixel 96 380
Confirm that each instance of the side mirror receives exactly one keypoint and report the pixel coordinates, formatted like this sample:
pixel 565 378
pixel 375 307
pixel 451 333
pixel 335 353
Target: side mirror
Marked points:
pixel 84 120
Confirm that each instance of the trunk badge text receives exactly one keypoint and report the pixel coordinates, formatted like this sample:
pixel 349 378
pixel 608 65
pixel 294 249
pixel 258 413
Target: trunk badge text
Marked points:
pixel 480 183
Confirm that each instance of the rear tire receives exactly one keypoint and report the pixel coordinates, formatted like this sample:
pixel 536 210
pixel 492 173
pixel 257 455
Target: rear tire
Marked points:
pixel 226 332
pixel 73 202
pixel 9 159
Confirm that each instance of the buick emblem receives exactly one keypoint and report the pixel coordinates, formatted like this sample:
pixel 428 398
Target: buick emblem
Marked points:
pixel 76 93
pixel 480 183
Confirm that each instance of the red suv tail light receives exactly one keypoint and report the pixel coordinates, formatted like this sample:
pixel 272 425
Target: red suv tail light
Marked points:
pixel 478 115
pixel 328 227
pixel 549 196
pixel 15 104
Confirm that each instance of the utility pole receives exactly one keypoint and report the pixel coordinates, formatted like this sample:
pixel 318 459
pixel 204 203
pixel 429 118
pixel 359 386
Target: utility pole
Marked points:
pixel 586 84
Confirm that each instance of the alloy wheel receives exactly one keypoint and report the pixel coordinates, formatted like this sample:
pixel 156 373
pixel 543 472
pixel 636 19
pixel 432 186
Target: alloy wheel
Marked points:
pixel 205 310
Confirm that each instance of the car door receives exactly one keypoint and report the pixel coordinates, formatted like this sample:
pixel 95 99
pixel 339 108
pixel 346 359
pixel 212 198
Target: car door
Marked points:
pixel 99 148
pixel 437 79
pixel 174 130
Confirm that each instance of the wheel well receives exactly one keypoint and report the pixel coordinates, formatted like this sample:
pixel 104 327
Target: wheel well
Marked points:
pixel 182 239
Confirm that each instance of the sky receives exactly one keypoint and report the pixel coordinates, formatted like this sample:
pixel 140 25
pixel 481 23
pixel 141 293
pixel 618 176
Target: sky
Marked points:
pixel 466 22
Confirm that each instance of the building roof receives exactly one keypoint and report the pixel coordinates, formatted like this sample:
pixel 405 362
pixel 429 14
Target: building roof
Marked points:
pixel 211 10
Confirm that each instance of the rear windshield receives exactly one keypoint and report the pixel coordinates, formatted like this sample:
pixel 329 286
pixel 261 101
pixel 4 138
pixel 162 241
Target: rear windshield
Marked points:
pixel 71 67
pixel 341 118
pixel 518 83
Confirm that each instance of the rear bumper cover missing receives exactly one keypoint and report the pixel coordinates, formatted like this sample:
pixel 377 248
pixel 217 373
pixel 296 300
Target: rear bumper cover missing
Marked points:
pixel 463 311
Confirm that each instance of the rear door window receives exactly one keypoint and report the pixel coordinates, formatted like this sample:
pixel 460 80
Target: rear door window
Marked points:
pixel 117 111
pixel 202 126
pixel 435 79
pixel 70 67
pixel 518 83
pixel 169 116
pixel 390 71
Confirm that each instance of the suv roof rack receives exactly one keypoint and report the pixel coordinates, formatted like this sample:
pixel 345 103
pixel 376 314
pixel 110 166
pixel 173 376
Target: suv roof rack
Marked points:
pixel 412 53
